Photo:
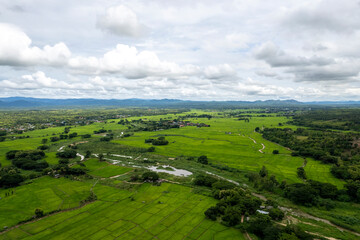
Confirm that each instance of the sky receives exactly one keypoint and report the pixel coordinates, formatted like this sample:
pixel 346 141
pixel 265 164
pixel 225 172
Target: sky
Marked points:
pixel 249 50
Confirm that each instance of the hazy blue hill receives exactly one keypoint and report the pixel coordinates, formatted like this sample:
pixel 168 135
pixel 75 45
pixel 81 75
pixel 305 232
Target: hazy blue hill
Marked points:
pixel 25 103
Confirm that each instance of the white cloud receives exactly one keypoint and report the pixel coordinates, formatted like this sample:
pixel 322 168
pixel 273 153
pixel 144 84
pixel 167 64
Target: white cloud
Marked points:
pixel 131 63
pixel 16 49
pixel 219 71
pixel 195 50
pixel 122 21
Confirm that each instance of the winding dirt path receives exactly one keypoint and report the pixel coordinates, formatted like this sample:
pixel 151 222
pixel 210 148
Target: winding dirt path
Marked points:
pixel 82 157
pixel 263 147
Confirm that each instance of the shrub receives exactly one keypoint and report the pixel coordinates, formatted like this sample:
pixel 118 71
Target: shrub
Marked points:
pixel 301 172
pixel 150 176
pixel 68 153
pixel 10 180
pixel 204 180
pixel 203 159
pixel 276 214
pixel 39 212
pixel 151 149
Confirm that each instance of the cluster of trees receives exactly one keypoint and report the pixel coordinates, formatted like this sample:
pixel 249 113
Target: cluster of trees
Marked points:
pixel 203 160
pixel 107 138
pixel 63 136
pixel 63 169
pixel 233 204
pixel 67 153
pixel 262 226
pixel 10 177
pixel 310 193
pixel 342 119
pixel 100 131
pixel 145 177
pixel 150 177
pixel 157 142
pixel 329 147
pixel 2 135
pixel 28 159
pixel 236 205
pixel 213 182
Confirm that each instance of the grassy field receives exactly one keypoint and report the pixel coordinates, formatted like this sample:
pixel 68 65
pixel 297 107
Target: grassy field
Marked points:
pixel 240 149
pixel 145 212
pixel 168 211
pixel 237 149
pixel 46 193
pixel 104 169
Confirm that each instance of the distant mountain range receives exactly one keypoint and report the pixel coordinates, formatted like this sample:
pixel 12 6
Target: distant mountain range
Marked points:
pixel 44 103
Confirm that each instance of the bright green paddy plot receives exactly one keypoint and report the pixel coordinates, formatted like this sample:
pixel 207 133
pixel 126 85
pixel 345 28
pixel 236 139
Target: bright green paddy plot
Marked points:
pixel 168 211
pixel 234 143
pixel 46 193
pixel 104 169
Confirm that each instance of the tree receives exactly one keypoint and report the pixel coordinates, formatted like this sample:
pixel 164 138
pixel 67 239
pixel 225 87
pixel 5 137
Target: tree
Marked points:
pixel 72 135
pixel 44 140
pixel 88 154
pixel 39 212
pixel 203 159
pixel 101 157
pixel 64 161
pixel 263 172
pixel 151 149
pixel 301 193
pixel 301 172
pixel 68 153
pixel 150 176
pixel 276 214
pixel 276 151
pixel 212 213
pixel 10 180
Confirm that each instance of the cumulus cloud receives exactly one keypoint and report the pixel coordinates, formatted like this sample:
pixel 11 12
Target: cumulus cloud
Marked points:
pixel 276 57
pixel 219 71
pixel 16 49
pixel 195 50
pixel 122 21
pixel 324 16
pixel 131 63
pixel 40 80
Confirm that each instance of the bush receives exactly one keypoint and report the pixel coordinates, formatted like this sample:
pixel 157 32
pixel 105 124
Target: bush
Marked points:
pixel 276 214
pixel 204 180
pixel 11 154
pixel 43 147
pixel 301 172
pixel 54 139
pixel 68 153
pixel 203 159
pixel 276 152
pixel 86 136
pixel 151 149
pixel 11 180
pixel 223 185
pixel 39 212
pixel 212 213
pixel 301 193
pixel 150 176
pixel 159 141
pixel 72 135
pixel 64 161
